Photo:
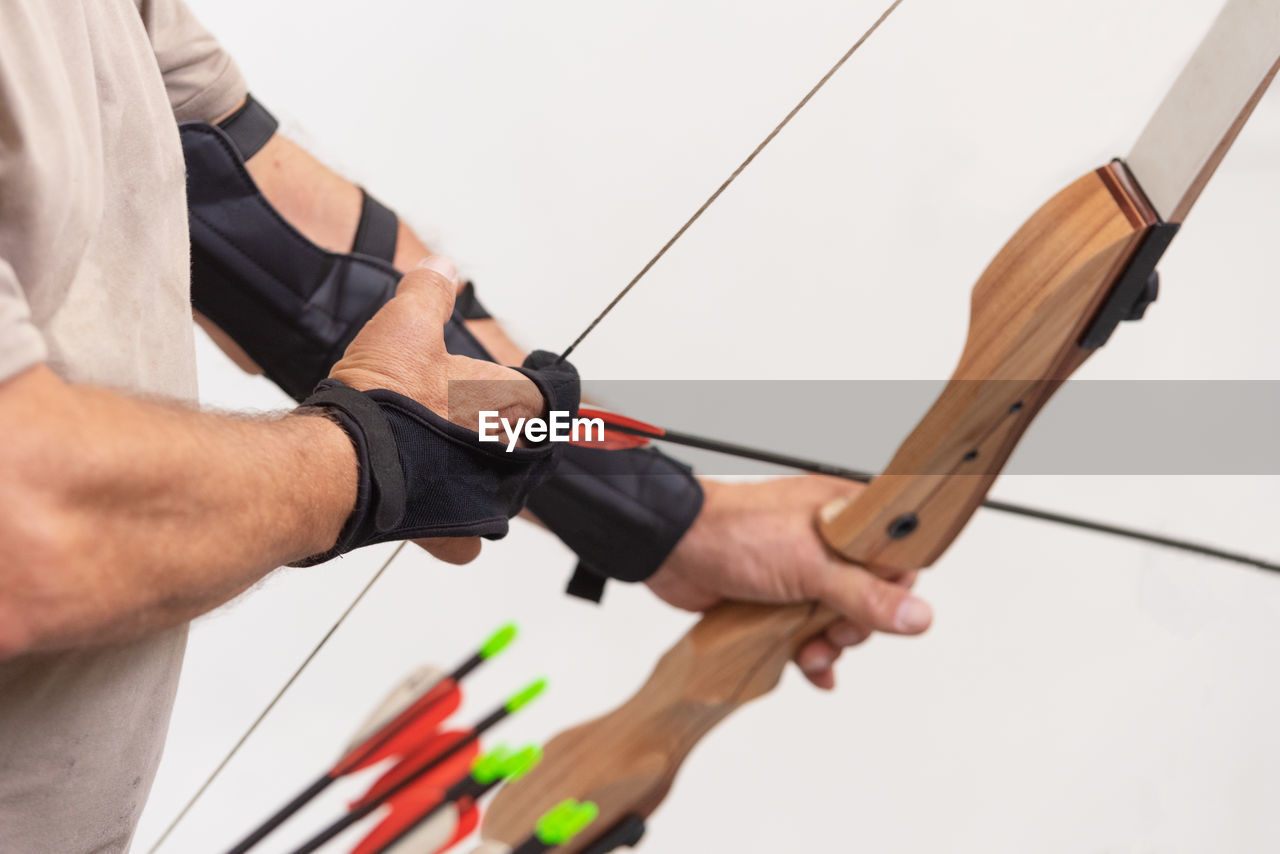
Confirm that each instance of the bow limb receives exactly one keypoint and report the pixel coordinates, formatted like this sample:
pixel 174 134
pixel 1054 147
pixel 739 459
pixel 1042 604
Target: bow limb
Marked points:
pixel 1030 312
pixel 627 760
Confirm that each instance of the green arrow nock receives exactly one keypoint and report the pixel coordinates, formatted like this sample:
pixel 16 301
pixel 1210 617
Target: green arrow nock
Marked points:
pixel 498 641
pixel 503 763
pixel 521 762
pixel 565 820
pixel 527 695
pixel 488 767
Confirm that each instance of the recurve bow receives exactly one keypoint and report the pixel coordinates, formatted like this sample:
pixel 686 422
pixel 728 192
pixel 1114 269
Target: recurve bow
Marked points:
pixel 1057 290
pixel 1054 294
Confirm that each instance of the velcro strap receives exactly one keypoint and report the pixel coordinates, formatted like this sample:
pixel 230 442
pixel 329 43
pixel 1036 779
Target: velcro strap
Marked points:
pixel 378 230
pixel 379 447
pixel 586 583
pixel 468 305
pixel 421 475
pixel 249 127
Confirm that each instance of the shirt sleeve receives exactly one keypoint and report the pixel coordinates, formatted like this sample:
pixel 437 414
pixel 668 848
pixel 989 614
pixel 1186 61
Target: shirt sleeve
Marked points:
pixel 21 344
pixel 200 77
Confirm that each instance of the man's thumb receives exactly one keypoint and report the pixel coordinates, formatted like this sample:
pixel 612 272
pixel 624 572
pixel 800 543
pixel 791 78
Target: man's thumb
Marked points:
pixel 433 283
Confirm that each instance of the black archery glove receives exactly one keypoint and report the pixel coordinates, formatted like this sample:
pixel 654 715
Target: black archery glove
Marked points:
pixel 420 475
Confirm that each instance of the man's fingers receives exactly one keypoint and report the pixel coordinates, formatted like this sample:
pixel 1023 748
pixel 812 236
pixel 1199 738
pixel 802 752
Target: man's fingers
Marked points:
pixel 845 634
pixel 867 604
pixel 906 580
pixel 455 550
pixel 816 659
pixel 879 605
pixel 433 285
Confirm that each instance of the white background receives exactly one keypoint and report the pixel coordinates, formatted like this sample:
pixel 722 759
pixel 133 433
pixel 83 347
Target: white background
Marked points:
pixel 1077 694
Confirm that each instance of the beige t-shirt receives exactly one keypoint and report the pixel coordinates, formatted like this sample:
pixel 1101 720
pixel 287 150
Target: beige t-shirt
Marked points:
pixel 94 280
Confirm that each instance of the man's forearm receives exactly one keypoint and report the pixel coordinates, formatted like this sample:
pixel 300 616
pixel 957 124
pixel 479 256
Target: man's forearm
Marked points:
pixel 322 205
pixel 325 207
pixel 122 516
pixel 319 202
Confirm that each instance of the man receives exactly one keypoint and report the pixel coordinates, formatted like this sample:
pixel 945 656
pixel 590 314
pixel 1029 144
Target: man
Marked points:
pixel 125 512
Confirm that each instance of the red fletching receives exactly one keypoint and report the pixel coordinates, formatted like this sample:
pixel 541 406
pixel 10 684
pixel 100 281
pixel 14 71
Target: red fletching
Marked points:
pixel 453 768
pixel 410 729
pixel 406 809
pixel 468 820
pixel 616 440
pixel 410 805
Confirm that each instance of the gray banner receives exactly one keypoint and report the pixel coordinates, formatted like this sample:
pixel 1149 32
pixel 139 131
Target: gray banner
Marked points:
pixel 1098 427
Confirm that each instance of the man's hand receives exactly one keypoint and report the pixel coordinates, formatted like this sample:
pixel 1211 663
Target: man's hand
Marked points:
pixel 402 348
pixel 758 542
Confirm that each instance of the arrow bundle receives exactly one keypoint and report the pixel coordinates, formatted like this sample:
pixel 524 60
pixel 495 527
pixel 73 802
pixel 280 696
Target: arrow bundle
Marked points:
pixel 428 795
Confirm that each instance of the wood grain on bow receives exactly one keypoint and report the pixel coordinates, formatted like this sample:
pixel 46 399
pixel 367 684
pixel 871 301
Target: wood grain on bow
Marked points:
pixel 1029 312
pixel 1080 264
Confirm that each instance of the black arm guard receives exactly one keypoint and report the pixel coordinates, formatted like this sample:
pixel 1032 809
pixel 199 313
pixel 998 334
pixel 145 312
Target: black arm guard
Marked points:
pixel 421 475
pixel 291 305
pixel 621 512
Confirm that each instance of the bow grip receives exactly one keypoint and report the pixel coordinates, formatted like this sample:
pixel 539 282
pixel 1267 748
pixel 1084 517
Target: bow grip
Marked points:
pixel 1030 318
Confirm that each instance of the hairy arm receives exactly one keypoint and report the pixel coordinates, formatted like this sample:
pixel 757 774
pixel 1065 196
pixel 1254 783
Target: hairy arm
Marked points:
pixel 121 516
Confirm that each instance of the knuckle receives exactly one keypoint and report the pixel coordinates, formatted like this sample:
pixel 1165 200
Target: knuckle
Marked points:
pixel 424 288
pixel 847 634
pixel 438 283
pixel 532 408
pixel 880 601
pixel 524 398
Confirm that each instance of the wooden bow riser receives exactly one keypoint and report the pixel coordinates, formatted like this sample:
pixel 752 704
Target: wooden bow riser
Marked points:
pixel 1028 313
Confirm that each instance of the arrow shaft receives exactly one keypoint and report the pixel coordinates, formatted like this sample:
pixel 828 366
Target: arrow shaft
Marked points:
pixel 466 789
pixel 532 845
pixel 398 724
pixel 801 464
pixel 365 807
pixel 328 833
pixel 283 814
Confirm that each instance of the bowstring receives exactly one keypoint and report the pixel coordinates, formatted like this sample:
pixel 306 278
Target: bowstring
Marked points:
pixel 733 176
pixel 226 760
pixel 697 214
